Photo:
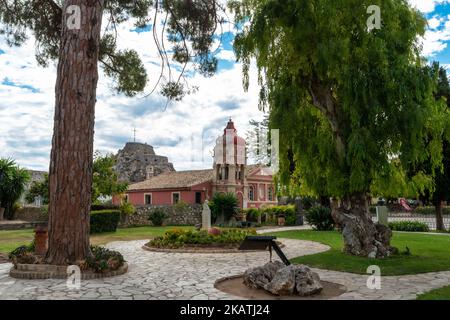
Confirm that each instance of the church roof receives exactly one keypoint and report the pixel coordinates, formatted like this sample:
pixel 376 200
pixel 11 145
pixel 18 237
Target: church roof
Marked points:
pixel 174 180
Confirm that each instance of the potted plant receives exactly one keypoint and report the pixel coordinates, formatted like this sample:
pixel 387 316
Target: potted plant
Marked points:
pixel 281 219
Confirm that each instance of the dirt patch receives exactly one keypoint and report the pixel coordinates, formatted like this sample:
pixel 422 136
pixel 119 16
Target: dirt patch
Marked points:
pixel 235 286
pixel 3 258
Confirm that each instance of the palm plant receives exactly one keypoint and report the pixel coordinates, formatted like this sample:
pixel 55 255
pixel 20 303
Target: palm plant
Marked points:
pixel 223 207
pixel 12 185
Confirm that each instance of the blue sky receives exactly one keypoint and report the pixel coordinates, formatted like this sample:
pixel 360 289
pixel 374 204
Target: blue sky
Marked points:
pixel 184 131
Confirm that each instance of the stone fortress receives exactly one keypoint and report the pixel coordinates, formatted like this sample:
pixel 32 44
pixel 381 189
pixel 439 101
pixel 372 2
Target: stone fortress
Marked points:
pixel 137 162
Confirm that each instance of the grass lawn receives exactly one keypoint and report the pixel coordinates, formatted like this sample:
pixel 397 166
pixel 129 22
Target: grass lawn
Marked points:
pixel 9 240
pixel 428 253
pixel 438 294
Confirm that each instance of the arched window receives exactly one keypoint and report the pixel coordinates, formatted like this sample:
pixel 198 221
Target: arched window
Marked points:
pixel 270 194
pixel 251 194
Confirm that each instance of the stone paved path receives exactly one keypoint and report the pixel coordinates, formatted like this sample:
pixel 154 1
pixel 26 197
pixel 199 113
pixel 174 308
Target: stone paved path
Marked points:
pixel 164 276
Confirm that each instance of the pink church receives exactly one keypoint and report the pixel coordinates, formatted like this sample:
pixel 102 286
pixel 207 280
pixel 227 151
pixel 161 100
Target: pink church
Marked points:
pixel 252 184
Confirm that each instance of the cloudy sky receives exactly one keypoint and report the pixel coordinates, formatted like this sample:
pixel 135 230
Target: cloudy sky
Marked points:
pixel 184 131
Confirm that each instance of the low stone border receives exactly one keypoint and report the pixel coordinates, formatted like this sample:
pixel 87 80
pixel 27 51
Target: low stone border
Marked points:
pixel 45 271
pixel 202 250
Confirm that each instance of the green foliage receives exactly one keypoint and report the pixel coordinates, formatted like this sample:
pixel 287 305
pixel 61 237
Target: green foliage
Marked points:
pixel 188 25
pixel 346 99
pixel 104 221
pixel 431 210
pixel 157 217
pixel 320 218
pixel 104 181
pixel 127 208
pixel 23 254
pixel 103 260
pixel 178 238
pixel 38 189
pixel 12 184
pixel 288 212
pixel 224 204
pixel 410 226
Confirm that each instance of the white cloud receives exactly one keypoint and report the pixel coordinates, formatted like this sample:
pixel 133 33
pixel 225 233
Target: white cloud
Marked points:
pixel 426 6
pixel 184 131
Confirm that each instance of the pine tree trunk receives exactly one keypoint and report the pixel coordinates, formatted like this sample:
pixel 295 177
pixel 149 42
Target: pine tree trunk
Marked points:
pixel 362 237
pixel 70 176
pixel 439 217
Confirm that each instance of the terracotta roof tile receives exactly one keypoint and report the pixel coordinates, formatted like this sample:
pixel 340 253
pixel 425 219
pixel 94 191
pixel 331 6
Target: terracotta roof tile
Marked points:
pixel 174 180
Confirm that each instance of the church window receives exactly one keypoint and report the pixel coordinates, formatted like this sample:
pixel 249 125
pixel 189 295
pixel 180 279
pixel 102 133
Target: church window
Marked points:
pixel 227 171
pixel 148 198
pixel 270 194
pixel 251 194
pixel 175 197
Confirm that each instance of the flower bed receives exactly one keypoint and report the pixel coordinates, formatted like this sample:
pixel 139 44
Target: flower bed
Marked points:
pixel 179 238
pixel 102 260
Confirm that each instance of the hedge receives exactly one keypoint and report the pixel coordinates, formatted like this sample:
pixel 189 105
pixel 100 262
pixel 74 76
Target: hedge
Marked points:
pixel 431 210
pixel 104 206
pixel 104 221
pixel 410 226
pixel 273 212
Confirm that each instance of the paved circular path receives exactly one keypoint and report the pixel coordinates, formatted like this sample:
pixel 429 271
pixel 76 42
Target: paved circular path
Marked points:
pixel 163 276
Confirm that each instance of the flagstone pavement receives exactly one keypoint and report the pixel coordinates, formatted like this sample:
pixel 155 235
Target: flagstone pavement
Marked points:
pixel 163 276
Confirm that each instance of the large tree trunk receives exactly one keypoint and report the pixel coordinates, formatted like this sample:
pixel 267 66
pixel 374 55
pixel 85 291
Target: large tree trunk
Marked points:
pixel 439 217
pixel 362 237
pixel 70 177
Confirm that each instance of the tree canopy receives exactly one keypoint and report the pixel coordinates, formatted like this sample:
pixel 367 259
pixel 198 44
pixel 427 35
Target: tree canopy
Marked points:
pixel 105 182
pixel 347 100
pixel 188 28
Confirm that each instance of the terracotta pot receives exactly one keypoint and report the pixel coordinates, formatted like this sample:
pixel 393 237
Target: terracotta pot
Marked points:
pixel 281 221
pixel 40 240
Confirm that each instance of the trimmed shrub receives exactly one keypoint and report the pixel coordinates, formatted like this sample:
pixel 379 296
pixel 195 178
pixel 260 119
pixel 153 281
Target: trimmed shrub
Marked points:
pixel 410 226
pixel 104 206
pixel 431 210
pixel 157 217
pixel 104 221
pixel 320 218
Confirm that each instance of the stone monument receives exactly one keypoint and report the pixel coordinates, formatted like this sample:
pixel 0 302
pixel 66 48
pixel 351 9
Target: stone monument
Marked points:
pixel 206 216
pixel 382 215
pixel 299 221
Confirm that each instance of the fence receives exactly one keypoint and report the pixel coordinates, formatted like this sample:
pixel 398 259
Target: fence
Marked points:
pixel 428 219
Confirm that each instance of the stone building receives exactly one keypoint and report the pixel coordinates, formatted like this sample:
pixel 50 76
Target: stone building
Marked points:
pixel 252 184
pixel 137 162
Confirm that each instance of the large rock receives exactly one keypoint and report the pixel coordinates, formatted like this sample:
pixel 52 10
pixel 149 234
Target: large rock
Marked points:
pixel 307 282
pixel 258 277
pixel 283 283
pixel 280 280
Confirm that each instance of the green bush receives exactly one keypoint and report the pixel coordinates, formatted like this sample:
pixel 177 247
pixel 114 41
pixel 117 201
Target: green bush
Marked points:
pixel 320 218
pixel 157 217
pixel 410 226
pixel 224 204
pixel 127 208
pixel 177 238
pixel 103 260
pixel 252 214
pixel 104 206
pixel 104 221
pixel 23 254
pixel 431 210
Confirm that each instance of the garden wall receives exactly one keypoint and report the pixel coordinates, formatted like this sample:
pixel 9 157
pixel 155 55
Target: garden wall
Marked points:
pixel 177 215
pixel 31 214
